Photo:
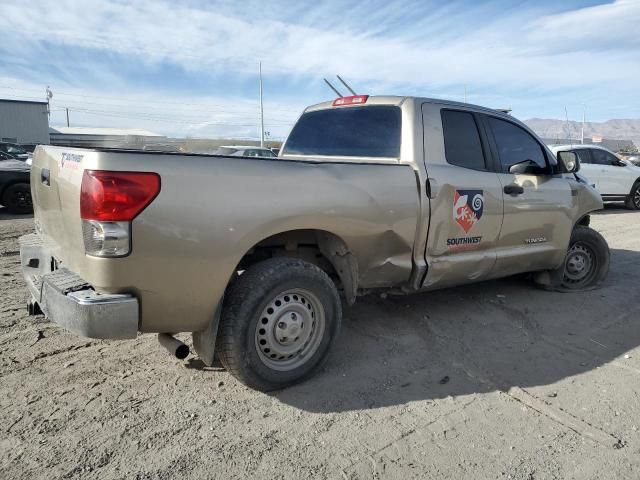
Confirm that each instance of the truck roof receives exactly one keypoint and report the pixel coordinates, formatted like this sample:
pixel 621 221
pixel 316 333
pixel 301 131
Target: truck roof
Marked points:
pixel 399 100
pixel 576 146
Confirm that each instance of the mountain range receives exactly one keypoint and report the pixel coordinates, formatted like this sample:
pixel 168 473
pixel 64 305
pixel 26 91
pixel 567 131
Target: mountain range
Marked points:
pixel 616 129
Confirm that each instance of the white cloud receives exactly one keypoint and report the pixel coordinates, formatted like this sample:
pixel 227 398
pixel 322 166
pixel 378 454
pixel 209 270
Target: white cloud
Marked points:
pixel 391 47
pixel 208 40
pixel 194 116
pixel 612 26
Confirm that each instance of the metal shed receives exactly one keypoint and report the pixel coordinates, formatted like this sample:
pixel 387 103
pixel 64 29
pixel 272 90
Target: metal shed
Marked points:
pixel 24 122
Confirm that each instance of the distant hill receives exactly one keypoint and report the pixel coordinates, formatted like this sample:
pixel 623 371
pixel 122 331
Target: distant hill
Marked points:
pixel 619 129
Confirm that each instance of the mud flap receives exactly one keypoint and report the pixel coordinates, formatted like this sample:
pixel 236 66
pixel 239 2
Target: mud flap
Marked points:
pixel 204 342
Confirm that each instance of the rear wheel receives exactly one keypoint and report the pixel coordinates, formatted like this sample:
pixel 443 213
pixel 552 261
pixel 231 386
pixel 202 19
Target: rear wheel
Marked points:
pixel 633 200
pixel 17 198
pixel 278 322
pixel 587 262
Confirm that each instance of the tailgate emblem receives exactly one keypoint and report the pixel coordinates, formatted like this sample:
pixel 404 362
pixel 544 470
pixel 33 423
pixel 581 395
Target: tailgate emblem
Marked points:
pixel 467 208
pixel 70 157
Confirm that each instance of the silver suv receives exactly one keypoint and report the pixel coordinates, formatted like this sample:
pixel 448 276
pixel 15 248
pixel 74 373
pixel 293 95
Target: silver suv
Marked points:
pixel 615 179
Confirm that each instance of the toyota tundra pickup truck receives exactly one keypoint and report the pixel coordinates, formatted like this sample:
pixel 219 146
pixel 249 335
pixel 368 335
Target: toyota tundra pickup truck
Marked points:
pixel 256 256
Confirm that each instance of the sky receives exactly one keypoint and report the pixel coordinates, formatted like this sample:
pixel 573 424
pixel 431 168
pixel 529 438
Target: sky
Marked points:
pixel 190 67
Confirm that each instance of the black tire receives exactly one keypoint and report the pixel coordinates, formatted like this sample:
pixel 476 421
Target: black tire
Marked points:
pixel 17 198
pixel 243 314
pixel 587 262
pixel 633 200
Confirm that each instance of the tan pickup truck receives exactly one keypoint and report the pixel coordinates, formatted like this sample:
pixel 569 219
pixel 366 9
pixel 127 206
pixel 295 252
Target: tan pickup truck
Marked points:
pixel 251 255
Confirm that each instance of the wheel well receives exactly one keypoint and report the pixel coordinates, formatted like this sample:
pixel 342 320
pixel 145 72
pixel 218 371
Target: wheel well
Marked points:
pixel 585 221
pixel 324 249
pixel 10 183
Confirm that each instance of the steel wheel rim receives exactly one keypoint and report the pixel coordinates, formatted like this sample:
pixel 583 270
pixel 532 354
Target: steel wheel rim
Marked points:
pixel 636 198
pixel 290 329
pixel 22 199
pixel 580 265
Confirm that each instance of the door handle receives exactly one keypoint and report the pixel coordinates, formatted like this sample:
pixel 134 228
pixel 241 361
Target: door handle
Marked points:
pixel 513 190
pixel 45 176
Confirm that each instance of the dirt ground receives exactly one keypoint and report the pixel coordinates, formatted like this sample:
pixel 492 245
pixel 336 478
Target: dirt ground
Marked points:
pixel 494 380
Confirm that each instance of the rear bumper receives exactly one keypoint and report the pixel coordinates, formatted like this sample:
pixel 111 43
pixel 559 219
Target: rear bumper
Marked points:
pixel 71 302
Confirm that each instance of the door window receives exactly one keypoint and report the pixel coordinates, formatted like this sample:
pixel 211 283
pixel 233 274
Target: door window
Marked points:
pixel 583 155
pixel 462 144
pixel 602 157
pixel 516 146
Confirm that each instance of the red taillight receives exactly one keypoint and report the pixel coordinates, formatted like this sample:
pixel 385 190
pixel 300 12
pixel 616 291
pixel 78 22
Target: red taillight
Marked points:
pixel 116 196
pixel 355 99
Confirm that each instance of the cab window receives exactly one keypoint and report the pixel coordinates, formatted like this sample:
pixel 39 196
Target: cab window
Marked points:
pixel 367 131
pixel 517 146
pixel 583 155
pixel 462 145
pixel 602 157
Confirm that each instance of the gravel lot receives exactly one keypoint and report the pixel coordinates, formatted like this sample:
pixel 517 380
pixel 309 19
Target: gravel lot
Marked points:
pixel 494 380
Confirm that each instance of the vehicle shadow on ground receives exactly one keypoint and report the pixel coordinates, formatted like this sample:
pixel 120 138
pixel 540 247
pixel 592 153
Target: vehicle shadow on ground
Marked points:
pixel 615 207
pixel 473 339
pixel 5 215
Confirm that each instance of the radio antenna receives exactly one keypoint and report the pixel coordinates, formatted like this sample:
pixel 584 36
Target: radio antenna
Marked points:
pixel 333 88
pixel 345 84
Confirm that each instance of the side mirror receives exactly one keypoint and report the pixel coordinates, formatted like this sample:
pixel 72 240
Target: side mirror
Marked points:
pixel 570 162
pixel 527 167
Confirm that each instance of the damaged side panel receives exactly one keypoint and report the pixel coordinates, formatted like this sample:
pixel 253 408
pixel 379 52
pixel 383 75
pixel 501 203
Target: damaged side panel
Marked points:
pixel 371 208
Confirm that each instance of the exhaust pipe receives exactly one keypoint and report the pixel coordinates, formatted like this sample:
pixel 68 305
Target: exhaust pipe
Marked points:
pixel 174 346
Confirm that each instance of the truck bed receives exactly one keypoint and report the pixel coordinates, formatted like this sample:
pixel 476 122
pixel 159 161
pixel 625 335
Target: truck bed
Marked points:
pixel 212 210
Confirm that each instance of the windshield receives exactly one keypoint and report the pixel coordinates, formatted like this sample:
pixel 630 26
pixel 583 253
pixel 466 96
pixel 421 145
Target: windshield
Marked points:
pixel 368 131
pixel 263 152
pixel 225 151
pixel 14 149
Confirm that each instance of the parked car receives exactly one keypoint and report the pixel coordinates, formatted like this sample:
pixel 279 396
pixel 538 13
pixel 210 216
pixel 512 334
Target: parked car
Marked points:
pixel 614 178
pixel 15 191
pixel 369 194
pixel 16 151
pixel 634 160
pixel 244 151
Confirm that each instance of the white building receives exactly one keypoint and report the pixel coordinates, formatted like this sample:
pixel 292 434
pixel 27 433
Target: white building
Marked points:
pixel 91 137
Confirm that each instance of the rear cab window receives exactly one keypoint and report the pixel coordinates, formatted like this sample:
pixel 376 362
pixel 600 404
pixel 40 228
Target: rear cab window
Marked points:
pixel 462 144
pixel 367 131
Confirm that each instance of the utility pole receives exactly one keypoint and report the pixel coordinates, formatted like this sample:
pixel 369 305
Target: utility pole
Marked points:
pixel 584 113
pixel 48 95
pixel 67 109
pixel 261 109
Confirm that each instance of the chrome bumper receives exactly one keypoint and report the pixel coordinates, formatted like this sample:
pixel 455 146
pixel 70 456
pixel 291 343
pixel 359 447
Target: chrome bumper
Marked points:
pixel 69 301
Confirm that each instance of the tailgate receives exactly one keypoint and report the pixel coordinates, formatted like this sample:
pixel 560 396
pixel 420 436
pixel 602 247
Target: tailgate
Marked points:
pixel 56 177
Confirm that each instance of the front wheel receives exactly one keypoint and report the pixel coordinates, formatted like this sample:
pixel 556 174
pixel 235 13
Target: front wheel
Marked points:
pixel 278 322
pixel 587 262
pixel 633 200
